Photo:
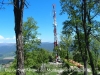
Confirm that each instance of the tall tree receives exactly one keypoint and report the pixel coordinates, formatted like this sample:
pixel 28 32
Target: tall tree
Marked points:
pixel 30 42
pixel 30 39
pixel 18 13
pixel 73 25
pixel 81 15
pixel 89 11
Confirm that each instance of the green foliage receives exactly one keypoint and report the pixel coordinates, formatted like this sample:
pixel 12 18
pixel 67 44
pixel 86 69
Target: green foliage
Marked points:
pixel 81 21
pixel 33 55
pixel 77 56
pixel 65 46
pixel 29 60
pixel 35 58
pixel 40 56
pixel 14 64
pixel 72 73
pixel 30 35
pixel 53 73
pixel 95 50
pixel 31 73
pixel 98 65
pixel 7 73
pixel 30 40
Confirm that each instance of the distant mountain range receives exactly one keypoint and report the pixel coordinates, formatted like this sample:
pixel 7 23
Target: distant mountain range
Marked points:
pixel 8 49
pixel 47 45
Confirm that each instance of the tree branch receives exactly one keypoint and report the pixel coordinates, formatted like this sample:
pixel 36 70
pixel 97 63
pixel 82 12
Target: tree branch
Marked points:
pixel 95 15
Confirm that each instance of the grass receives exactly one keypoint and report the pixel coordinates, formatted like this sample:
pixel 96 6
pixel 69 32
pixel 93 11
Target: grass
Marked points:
pixel 53 73
pixel 7 73
pixel 29 73
pixel 51 67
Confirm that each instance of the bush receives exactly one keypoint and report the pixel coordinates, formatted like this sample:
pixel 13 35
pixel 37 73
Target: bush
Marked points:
pixel 98 64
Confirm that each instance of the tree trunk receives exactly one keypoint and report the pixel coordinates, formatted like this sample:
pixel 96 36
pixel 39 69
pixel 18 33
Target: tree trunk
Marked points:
pixel 84 57
pixel 18 13
pixel 85 67
pixel 91 60
pixel 86 34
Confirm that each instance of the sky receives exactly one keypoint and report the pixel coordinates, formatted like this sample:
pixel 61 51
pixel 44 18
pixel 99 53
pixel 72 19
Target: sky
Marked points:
pixel 41 11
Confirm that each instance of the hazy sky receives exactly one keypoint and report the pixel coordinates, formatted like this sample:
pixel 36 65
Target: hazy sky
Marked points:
pixel 41 11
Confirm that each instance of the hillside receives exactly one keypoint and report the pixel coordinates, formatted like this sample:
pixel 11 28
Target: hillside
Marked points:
pixel 8 49
pixel 47 45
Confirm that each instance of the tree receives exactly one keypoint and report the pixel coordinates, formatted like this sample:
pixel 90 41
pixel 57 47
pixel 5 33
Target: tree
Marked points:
pixel 73 25
pixel 18 13
pixel 95 50
pixel 30 42
pixel 65 45
pixel 40 57
pixel 72 28
pixel 87 23
pixel 77 54
pixel 81 18
pixel 30 39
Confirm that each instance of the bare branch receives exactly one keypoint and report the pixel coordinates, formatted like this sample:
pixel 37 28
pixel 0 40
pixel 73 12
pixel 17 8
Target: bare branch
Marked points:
pixel 1 4
pixel 26 4
pixel 11 2
pixel 95 37
pixel 95 15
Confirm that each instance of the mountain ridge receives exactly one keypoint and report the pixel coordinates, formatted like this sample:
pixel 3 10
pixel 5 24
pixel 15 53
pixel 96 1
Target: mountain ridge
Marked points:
pixel 8 49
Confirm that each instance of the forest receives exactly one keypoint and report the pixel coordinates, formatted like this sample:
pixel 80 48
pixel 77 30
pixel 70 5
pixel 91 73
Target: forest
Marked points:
pixel 78 48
